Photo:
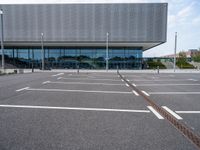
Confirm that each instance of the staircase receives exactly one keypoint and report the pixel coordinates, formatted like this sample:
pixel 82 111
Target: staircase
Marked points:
pixel 195 64
pixel 169 64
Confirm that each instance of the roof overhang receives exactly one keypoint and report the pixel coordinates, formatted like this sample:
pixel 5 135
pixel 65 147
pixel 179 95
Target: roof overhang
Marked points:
pixel 143 45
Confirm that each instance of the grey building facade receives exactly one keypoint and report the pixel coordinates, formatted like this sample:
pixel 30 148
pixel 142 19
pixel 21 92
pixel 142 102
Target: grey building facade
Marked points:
pixel 75 34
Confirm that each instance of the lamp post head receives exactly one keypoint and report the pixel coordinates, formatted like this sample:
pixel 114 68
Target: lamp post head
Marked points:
pixel 1 11
pixel 42 34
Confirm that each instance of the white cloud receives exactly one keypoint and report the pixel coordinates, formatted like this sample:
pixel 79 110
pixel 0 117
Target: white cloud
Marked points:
pixel 185 12
pixel 181 17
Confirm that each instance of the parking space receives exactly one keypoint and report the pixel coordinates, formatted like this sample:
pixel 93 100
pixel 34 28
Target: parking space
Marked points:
pixel 80 93
pixel 179 92
pixel 91 111
pixel 44 129
pixel 120 87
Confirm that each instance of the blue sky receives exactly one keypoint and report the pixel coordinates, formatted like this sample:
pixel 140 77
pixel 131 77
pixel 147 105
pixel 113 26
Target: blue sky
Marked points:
pixel 183 17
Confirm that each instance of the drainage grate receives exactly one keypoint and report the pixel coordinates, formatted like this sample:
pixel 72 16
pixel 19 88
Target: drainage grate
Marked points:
pixel 186 131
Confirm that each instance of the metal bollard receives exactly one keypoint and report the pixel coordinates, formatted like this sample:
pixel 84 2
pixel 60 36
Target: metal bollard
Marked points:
pixel 158 69
pixel 32 67
pixel 78 69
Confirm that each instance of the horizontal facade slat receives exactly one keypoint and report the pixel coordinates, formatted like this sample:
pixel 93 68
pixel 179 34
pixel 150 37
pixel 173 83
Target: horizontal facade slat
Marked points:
pixel 145 22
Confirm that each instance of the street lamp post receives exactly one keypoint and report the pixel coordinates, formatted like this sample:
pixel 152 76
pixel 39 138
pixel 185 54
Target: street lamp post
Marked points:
pixel 2 46
pixel 42 50
pixel 175 51
pixel 107 36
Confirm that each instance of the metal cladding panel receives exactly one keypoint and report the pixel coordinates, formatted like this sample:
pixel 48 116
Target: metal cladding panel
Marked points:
pixel 145 22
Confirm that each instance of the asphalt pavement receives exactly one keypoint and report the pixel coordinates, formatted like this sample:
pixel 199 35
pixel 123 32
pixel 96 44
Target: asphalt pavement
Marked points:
pixel 96 110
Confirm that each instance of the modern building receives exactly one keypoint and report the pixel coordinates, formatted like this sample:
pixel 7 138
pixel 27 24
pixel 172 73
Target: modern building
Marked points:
pixel 78 35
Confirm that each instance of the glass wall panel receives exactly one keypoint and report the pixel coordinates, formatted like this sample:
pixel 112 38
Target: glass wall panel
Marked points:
pixel 71 58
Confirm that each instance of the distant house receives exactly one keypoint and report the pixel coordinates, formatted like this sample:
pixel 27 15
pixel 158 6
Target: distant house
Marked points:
pixel 189 54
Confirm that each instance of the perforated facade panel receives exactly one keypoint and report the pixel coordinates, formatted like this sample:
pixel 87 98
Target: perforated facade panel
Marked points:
pixel 79 23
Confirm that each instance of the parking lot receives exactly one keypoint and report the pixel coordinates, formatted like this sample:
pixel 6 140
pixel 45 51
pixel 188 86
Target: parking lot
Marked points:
pixel 94 110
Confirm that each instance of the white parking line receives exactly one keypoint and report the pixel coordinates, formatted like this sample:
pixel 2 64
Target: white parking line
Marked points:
pixel 162 80
pixel 145 93
pixel 85 83
pixel 59 78
pixel 127 85
pixel 45 82
pixel 122 80
pixel 22 89
pixel 188 112
pixel 135 93
pixel 174 93
pixel 88 79
pixel 166 84
pixel 134 84
pixel 155 112
pixel 75 108
pixel 59 74
pixel 172 113
pixel 83 91
pixel 192 79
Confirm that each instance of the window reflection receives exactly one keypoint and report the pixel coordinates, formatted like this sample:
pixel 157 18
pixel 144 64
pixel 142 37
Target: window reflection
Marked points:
pixel 71 58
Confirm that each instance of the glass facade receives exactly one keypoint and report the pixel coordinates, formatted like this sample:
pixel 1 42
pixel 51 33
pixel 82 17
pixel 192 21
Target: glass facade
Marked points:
pixel 72 58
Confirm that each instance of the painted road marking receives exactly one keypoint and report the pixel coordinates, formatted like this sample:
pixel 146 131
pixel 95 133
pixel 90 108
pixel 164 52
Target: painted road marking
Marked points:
pixel 59 78
pixel 161 80
pixel 135 93
pixel 188 112
pixel 192 79
pixel 85 83
pixel 155 112
pixel 165 84
pixel 76 108
pixel 45 82
pixel 174 93
pixel 134 85
pixel 122 80
pixel 172 113
pixel 59 74
pixel 145 93
pixel 22 89
pixel 113 75
pixel 127 85
pixel 87 79
pixel 128 80
pixel 83 91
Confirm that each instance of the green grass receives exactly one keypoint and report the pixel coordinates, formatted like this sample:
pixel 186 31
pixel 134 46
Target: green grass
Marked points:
pixel 153 65
pixel 184 65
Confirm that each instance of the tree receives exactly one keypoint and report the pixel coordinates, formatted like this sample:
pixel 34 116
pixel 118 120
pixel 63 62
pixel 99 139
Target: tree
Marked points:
pixel 196 57
pixel 182 57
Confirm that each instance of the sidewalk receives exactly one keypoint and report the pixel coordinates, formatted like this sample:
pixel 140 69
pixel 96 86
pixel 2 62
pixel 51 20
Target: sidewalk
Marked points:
pixel 114 71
